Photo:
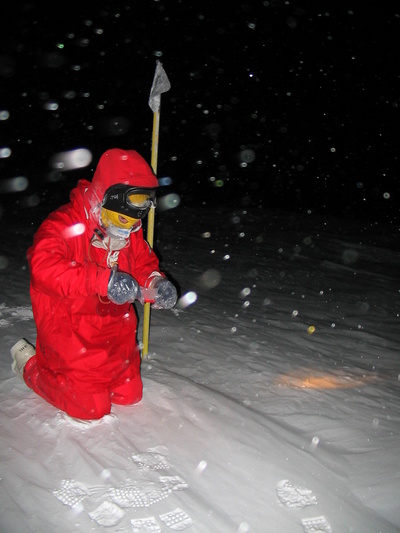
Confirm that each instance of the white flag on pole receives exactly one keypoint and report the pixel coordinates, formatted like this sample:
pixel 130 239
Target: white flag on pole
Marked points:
pixel 161 84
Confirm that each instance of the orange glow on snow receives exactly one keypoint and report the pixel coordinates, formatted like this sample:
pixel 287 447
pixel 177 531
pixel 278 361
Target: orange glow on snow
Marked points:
pixel 314 380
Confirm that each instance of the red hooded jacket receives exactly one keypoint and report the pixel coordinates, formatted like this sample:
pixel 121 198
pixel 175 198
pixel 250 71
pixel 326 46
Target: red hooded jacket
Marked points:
pixel 83 340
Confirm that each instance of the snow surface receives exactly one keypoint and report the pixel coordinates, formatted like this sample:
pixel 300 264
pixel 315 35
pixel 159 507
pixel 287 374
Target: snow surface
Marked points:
pixel 271 404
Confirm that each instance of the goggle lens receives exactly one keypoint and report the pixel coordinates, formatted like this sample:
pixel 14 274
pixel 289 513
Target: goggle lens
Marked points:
pixel 130 201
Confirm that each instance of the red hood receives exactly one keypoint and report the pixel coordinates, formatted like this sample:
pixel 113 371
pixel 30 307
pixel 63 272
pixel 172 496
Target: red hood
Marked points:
pixel 122 166
pixel 115 166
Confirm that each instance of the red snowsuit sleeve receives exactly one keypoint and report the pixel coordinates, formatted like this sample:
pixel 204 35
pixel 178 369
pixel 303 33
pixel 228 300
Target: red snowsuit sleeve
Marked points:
pixel 58 267
pixel 145 261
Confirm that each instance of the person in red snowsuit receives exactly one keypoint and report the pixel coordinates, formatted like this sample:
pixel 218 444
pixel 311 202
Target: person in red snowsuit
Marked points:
pixel 88 263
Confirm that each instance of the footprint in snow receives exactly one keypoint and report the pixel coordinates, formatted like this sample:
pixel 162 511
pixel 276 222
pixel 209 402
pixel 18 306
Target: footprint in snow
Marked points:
pixel 107 514
pixel 71 492
pixel 294 496
pixel 177 520
pixel 319 524
pixel 151 461
pixel 145 525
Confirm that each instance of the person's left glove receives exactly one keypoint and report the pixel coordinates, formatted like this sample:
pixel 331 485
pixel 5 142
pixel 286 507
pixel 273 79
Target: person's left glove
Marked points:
pixel 122 288
pixel 166 295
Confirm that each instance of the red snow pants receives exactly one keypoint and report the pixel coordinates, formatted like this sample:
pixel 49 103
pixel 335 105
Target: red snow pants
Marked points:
pixel 79 404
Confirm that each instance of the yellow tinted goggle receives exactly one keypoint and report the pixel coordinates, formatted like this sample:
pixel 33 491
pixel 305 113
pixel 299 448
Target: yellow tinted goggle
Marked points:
pixel 131 202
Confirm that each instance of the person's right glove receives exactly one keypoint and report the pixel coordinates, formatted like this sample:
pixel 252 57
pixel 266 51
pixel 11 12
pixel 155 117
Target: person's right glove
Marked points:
pixel 166 295
pixel 122 288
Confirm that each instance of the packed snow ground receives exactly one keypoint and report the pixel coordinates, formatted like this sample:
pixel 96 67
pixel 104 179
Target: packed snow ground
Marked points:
pixel 271 404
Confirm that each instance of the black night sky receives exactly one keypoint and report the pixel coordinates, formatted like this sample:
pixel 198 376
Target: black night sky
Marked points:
pixel 274 104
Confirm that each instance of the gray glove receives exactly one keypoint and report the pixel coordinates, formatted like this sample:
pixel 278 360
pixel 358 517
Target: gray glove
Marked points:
pixel 122 288
pixel 166 295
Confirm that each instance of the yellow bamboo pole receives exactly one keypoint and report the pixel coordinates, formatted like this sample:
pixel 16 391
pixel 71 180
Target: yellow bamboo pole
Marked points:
pixel 160 85
pixel 150 229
